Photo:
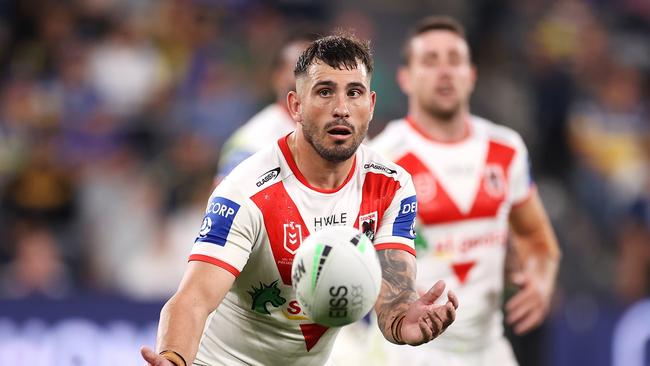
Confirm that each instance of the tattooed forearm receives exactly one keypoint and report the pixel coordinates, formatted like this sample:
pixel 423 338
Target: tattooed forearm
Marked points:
pixel 397 290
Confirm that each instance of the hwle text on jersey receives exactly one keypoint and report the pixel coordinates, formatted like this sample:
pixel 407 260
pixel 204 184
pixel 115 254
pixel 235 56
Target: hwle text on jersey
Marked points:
pixel 331 220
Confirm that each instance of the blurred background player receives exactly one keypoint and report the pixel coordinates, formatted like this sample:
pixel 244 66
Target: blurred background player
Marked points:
pixel 473 184
pixel 274 120
pixel 236 304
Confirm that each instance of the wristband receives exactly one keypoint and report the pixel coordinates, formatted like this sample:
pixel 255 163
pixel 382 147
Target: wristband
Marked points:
pixel 174 357
pixel 396 329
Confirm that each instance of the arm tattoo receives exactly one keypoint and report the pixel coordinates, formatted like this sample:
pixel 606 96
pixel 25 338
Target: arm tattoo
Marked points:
pixel 397 290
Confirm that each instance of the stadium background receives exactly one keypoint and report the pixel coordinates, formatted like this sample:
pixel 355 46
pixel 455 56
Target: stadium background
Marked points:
pixel 112 114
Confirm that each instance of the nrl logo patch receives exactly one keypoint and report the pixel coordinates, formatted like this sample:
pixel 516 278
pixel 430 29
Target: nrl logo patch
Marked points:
pixel 292 237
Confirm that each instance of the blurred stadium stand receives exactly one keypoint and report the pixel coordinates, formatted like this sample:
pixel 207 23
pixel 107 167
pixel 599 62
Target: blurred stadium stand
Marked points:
pixel 113 112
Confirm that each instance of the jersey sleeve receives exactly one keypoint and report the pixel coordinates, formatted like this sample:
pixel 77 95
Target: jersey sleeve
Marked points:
pixel 228 230
pixel 397 228
pixel 520 178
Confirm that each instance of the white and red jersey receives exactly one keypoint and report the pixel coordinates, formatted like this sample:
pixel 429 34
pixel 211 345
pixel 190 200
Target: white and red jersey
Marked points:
pixel 260 131
pixel 465 191
pixel 255 221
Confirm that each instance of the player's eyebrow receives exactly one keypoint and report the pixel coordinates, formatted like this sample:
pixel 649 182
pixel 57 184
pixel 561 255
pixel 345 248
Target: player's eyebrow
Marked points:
pixel 357 85
pixel 329 83
pixel 332 84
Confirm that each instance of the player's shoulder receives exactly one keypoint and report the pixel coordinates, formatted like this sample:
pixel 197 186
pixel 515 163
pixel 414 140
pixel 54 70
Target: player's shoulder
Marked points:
pixel 392 138
pixel 272 121
pixel 392 134
pixel 373 161
pixel 497 133
pixel 256 172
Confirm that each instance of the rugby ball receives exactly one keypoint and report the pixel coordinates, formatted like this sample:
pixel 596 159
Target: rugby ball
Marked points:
pixel 336 276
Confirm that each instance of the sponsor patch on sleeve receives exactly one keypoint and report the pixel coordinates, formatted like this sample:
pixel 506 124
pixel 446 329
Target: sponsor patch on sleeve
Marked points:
pixel 404 224
pixel 218 219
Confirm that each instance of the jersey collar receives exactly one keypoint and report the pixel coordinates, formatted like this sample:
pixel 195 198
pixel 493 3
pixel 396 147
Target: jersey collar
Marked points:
pixel 468 132
pixel 286 152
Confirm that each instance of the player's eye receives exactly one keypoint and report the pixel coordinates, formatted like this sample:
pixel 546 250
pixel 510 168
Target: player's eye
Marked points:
pixel 354 93
pixel 430 60
pixel 325 92
pixel 454 59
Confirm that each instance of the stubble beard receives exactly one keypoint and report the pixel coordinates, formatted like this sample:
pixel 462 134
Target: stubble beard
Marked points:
pixel 443 114
pixel 339 152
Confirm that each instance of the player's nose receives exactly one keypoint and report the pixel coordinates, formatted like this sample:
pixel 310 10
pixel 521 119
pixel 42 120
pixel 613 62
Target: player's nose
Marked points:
pixel 341 109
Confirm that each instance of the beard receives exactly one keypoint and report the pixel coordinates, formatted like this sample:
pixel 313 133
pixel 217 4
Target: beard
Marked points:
pixel 341 150
pixel 441 113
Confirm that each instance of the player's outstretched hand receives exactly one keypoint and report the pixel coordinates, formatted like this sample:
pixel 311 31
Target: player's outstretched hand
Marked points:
pixel 154 359
pixel 425 320
pixel 527 309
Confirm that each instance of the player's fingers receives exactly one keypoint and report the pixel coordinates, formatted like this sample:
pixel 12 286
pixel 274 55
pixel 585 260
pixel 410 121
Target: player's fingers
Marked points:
pixel 515 314
pixel 451 315
pixel 425 329
pixel 434 292
pixel 524 295
pixel 519 278
pixel 148 354
pixel 529 323
pixel 437 321
pixel 453 298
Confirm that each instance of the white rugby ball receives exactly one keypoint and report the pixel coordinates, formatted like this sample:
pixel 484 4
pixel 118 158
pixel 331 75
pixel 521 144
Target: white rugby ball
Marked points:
pixel 336 276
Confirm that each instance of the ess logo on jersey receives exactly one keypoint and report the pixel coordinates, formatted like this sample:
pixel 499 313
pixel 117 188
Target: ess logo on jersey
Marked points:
pixel 218 219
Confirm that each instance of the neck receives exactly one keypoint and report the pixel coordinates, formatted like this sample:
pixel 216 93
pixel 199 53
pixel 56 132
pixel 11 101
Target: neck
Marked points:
pixel 318 172
pixel 450 129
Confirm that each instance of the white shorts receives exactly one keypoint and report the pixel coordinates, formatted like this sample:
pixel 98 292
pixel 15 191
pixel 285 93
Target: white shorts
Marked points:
pixel 360 344
pixel 497 353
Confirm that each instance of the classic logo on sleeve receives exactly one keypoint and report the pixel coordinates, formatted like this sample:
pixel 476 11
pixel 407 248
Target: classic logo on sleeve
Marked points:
pixel 404 224
pixel 379 167
pixel 218 219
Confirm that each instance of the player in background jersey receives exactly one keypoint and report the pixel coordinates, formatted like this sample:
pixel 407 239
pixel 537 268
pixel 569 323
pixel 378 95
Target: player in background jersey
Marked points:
pixel 235 304
pixel 473 190
pixel 273 121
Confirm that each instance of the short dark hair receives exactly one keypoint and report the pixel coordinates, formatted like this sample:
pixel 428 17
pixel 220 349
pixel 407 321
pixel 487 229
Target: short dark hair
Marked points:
pixel 431 23
pixel 338 51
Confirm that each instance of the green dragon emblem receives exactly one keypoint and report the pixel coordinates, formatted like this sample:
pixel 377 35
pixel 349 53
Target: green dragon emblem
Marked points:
pixel 265 294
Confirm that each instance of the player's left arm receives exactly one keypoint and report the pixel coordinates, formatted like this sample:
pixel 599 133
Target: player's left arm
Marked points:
pixel 538 253
pixel 403 316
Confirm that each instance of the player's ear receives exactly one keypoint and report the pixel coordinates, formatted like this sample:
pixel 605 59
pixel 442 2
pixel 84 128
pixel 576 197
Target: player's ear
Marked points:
pixel 473 75
pixel 403 79
pixel 373 100
pixel 295 106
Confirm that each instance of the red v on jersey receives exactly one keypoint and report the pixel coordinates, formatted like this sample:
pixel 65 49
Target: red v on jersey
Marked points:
pixel 312 333
pixel 494 183
pixel 461 270
pixel 284 226
pixel 286 230
pixel 436 206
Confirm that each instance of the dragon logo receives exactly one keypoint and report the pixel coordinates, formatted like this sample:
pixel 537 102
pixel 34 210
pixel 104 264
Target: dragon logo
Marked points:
pixel 265 294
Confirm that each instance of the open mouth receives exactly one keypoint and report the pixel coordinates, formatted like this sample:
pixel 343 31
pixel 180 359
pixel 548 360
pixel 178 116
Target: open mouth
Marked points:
pixel 339 131
pixel 445 90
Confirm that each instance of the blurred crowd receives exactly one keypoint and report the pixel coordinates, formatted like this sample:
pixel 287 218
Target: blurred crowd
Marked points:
pixel 113 112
